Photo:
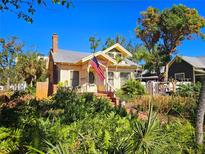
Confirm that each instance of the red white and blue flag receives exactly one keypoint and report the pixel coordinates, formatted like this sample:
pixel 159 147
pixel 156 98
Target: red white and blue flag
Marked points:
pixel 94 63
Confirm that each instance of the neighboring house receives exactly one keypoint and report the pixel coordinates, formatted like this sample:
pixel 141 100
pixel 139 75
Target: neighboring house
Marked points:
pixel 184 68
pixel 72 68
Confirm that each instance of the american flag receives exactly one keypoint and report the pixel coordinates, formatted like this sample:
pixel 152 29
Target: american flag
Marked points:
pixel 94 63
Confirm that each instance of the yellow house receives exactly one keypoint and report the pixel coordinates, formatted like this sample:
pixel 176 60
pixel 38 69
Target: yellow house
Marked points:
pixel 72 68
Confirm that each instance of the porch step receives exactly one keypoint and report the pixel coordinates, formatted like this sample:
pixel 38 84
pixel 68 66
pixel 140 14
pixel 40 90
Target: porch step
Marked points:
pixel 109 97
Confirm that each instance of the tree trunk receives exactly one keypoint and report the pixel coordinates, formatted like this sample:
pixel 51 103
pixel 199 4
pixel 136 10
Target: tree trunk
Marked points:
pixel 166 72
pixel 200 115
pixel 8 83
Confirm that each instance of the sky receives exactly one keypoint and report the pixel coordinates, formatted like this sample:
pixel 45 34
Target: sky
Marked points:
pixel 101 18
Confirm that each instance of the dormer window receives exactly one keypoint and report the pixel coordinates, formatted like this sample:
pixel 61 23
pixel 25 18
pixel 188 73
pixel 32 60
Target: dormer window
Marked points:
pixel 114 54
pixel 111 54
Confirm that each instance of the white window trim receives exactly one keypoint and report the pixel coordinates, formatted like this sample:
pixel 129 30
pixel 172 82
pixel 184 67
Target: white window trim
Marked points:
pixel 182 73
pixel 113 77
pixel 121 78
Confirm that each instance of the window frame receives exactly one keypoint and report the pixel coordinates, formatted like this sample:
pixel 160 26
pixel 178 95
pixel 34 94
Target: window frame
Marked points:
pixel 89 77
pixel 181 73
pixel 129 77
pixel 71 78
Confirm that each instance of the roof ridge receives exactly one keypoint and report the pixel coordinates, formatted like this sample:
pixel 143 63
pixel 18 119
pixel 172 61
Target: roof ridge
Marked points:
pixel 193 56
pixel 82 52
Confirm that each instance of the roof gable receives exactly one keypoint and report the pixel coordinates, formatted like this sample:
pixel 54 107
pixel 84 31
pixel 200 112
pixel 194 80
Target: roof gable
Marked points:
pixel 120 48
pixel 115 46
pixel 197 62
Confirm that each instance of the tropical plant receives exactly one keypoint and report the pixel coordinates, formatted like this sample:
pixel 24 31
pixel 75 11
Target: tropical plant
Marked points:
pixel 31 68
pixel 147 134
pixel 131 89
pixel 9 140
pixel 94 43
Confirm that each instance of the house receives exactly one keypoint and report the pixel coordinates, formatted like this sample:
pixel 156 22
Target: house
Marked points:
pixel 185 68
pixel 72 68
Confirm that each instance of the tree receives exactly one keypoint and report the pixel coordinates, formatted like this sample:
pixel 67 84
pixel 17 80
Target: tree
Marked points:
pixel 26 8
pixel 110 42
pixel 31 68
pixel 9 51
pixel 94 43
pixel 200 116
pixel 167 29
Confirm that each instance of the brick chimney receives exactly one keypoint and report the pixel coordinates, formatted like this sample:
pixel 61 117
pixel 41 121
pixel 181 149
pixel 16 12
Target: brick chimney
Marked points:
pixel 55 43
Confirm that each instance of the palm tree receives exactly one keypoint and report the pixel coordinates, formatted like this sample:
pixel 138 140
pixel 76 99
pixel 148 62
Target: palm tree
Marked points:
pixel 200 115
pixel 94 43
pixel 31 67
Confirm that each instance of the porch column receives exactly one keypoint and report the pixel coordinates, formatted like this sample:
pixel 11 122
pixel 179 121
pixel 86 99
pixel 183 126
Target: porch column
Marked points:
pixel 106 77
pixel 87 77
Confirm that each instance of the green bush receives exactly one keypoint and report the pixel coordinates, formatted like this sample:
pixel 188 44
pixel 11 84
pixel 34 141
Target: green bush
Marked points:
pixel 30 90
pixel 77 107
pixel 189 90
pixel 81 123
pixel 9 140
pixel 131 89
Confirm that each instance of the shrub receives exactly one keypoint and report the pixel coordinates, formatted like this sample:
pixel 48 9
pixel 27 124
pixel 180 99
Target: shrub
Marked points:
pixel 180 137
pixel 166 105
pixel 189 90
pixel 131 89
pixel 77 107
pixel 9 140
pixel 100 134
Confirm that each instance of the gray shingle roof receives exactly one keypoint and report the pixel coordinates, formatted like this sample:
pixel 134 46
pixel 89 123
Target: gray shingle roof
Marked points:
pixel 131 62
pixel 68 56
pixel 197 62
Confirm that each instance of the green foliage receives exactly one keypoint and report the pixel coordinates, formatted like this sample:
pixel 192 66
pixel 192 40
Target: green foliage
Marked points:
pixel 94 43
pixel 147 134
pixel 180 137
pixel 77 107
pixel 131 89
pixel 111 41
pixel 31 68
pixel 189 90
pixel 30 90
pixel 9 51
pixel 163 31
pixel 27 9
pixel 9 139
pixel 73 123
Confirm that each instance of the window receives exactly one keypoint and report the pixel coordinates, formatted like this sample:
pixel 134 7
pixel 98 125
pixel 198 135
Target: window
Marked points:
pixel 91 77
pixel 74 78
pixel 179 76
pixel 124 76
pixel 111 54
pixel 111 78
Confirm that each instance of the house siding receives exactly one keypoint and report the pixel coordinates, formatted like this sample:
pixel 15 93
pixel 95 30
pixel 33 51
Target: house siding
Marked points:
pixel 181 67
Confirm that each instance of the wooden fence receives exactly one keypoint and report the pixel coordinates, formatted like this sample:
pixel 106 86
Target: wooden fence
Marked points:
pixel 157 88
pixel 45 89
